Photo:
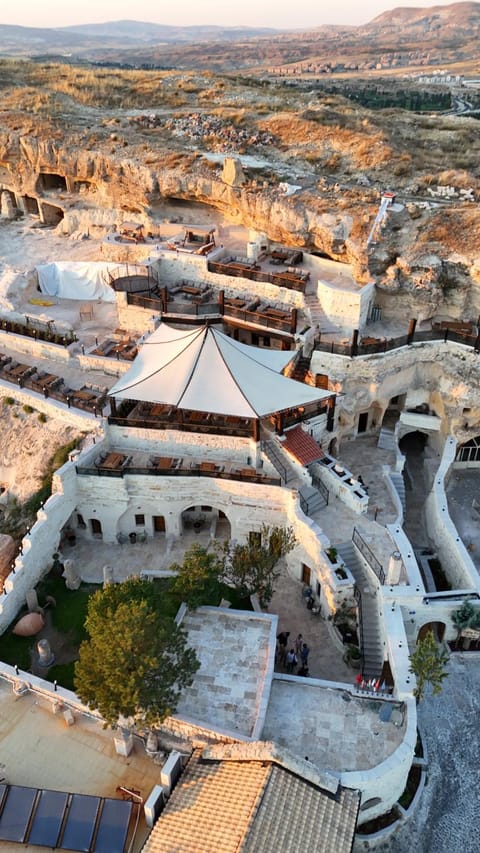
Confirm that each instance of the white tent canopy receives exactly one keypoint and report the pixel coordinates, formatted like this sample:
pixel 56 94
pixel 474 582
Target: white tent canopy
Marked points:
pixel 204 370
pixel 77 280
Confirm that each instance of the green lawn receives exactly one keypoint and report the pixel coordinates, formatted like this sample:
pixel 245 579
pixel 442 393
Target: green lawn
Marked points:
pixel 69 616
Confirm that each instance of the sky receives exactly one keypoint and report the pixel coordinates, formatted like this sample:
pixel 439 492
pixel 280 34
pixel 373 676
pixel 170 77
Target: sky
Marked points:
pixel 273 13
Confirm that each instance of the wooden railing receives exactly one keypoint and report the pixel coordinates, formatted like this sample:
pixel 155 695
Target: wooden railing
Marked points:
pixel 132 470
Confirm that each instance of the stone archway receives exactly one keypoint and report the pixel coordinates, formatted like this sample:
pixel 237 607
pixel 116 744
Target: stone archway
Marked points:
pixel 438 629
pixel 469 451
pixel 203 517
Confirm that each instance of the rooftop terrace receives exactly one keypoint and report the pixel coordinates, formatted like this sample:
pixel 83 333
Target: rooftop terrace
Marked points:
pixel 337 732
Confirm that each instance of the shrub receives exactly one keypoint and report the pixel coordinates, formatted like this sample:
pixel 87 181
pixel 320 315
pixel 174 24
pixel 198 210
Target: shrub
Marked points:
pixel 42 417
pixel 9 401
pixel 27 409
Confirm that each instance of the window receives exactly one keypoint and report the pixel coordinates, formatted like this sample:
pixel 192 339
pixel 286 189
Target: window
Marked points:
pixel 140 520
pixel 80 520
pixel 266 341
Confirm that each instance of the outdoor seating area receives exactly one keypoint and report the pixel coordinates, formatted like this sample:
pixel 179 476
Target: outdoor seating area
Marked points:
pixel 160 416
pixel 52 386
pixel 291 278
pixel 125 349
pixel 117 463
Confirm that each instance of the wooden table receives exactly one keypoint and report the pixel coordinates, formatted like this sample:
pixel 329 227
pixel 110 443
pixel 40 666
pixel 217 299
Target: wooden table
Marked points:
pixel 163 462
pixel 19 370
pixel 113 460
pixel 275 312
pixel 84 394
pixel 235 303
pixel 192 291
pixel 48 379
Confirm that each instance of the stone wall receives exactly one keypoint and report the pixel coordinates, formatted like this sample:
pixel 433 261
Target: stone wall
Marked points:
pixel 387 780
pixel 454 557
pixel 41 349
pixel 445 373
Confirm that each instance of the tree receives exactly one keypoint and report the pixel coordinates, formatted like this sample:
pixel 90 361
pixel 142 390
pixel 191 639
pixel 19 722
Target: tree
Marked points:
pixel 135 662
pixel 466 617
pixel 428 663
pixel 197 579
pixel 252 567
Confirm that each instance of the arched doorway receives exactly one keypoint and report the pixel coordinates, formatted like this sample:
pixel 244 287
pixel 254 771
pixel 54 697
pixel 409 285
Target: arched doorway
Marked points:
pixel 469 451
pixel 203 518
pixel 438 629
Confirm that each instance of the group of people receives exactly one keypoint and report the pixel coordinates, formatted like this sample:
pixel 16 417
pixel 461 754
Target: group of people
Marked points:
pixel 297 656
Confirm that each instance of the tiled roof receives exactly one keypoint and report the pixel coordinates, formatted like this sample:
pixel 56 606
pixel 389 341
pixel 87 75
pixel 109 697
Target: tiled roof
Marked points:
pixel 250 806
pixel 210 808
pixel 294 817
pixel 301 445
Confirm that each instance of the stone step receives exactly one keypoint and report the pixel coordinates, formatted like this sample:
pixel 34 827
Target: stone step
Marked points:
pixel 386 439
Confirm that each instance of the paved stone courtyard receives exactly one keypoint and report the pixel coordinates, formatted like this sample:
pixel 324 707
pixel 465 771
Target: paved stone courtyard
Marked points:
pixel 233 649
pixel 336 733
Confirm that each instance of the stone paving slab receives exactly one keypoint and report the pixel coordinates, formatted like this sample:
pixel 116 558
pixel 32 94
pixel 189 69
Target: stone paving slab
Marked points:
pixel 335 734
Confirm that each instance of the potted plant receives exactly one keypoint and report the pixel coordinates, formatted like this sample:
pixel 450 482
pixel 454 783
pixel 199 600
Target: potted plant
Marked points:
pixel 332 554
pixel 352 655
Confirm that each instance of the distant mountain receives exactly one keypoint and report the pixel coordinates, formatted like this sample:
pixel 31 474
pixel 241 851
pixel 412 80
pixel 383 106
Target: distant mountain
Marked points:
pixel 442 33
pixel 455 16
pixel 142 31
pixel 91 38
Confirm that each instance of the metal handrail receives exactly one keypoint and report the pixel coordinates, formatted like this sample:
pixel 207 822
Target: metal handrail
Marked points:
pixel 368 554
pixel 358 598
pixel 316 481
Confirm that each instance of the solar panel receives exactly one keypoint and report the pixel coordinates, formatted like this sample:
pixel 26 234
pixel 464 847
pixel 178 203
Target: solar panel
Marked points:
pixel 48 818
pixel 3 788
pixel 80 823
pixel 113 826
pixel 16 813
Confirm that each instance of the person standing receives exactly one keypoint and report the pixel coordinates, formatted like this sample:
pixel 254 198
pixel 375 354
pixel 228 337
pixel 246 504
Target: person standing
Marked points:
pixel 282 646
pixel 292 660
pixel 305 651
pixel 298 644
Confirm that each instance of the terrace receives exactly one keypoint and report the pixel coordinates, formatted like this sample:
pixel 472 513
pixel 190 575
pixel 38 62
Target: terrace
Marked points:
pixel 114 463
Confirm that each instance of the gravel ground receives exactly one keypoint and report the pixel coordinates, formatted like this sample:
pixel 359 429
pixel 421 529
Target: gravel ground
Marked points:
pixel 447 818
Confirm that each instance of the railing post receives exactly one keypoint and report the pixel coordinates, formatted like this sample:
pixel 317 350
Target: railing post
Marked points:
pixel 411 330
pixel 354 344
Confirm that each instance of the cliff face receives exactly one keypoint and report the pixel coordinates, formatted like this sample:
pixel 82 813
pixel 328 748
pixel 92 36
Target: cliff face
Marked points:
pixel 429 258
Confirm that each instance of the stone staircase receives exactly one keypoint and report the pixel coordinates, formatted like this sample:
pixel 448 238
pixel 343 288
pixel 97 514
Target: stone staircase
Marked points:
pixel 311 500
pixel 369 622
pixel 279 460
pixel 399 483
pixel 317 316
pixel 386 439
pixel 301 369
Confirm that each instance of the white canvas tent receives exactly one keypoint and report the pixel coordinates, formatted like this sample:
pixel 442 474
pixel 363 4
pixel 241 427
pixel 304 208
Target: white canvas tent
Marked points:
pixel 204 370
pixel 77 280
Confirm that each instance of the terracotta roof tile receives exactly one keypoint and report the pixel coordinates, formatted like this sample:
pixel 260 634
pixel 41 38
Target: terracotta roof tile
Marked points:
pixel 294 816
pixel 210 809
pixel 301 445
pixel 250 806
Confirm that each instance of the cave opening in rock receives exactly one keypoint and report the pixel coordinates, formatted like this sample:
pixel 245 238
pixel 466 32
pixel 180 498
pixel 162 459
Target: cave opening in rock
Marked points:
pixel 31 205
pixel 50 181
pixel 51 214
